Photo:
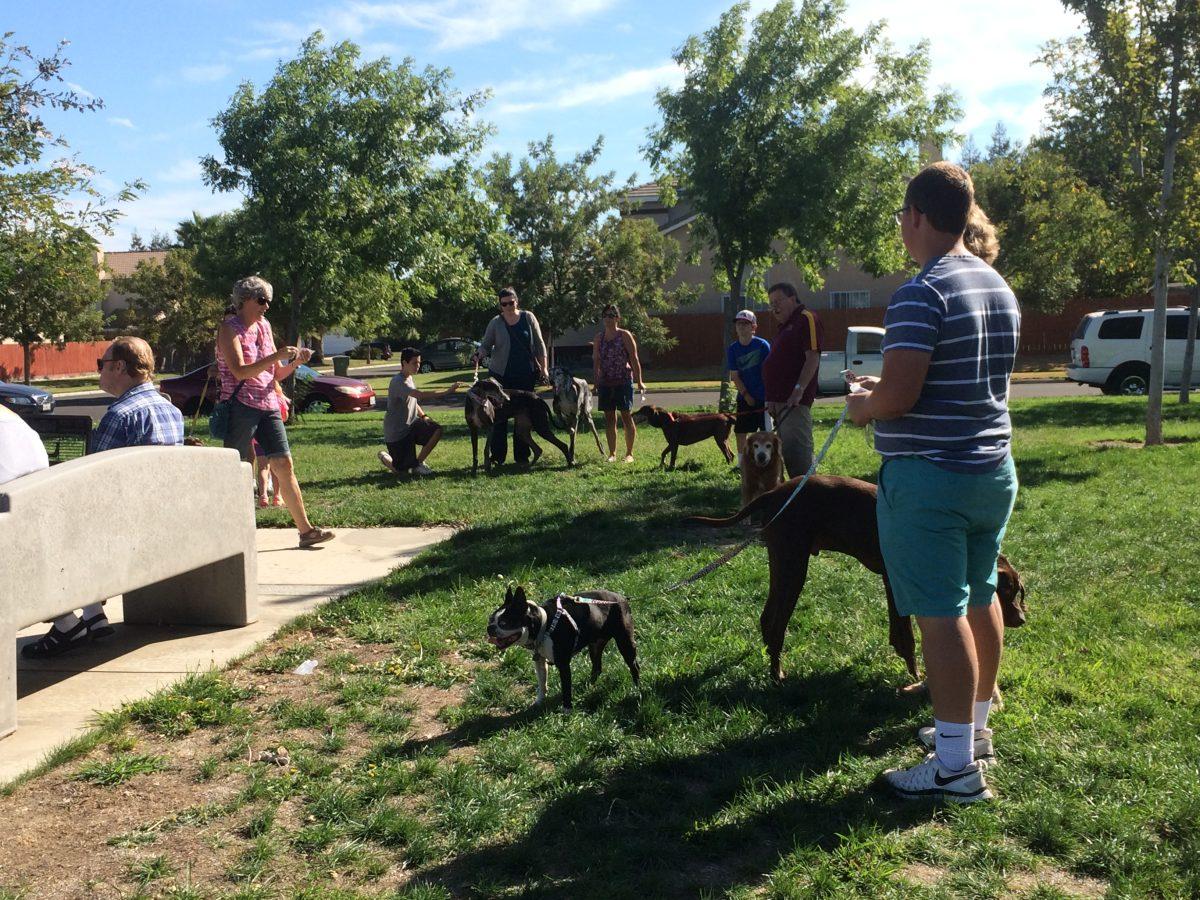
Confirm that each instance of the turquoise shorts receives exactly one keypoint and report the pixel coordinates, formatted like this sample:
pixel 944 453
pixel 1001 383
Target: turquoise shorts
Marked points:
pixel 940 532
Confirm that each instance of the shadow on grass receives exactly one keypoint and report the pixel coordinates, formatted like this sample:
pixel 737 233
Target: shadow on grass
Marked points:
pixel 1096 412
pixel 676 826
pixel 597 541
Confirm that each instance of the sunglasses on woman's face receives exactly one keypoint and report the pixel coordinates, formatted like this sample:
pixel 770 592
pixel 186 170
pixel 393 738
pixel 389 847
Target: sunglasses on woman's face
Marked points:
pixel 508 302
pixel 263 301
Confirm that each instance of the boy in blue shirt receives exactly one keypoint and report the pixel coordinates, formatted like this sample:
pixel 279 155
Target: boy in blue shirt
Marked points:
pixel 745 359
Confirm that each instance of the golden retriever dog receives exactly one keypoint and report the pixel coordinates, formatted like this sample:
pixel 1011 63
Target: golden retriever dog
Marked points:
pixel 762 465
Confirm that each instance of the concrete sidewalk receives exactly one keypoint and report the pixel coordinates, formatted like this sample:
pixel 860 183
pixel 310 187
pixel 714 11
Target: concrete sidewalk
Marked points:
pixel 57 698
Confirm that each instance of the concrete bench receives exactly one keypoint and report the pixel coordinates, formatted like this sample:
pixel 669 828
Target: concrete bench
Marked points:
pixel 170 528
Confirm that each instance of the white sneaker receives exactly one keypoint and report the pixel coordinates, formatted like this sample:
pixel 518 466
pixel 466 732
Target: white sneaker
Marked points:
pixel 612 457
pixel 386 459
pixel 628 457
pixel 984 753
pixel 421 469
pixel 930 780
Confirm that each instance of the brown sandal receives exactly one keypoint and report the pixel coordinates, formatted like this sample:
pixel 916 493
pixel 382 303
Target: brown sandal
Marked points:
pixel 315 536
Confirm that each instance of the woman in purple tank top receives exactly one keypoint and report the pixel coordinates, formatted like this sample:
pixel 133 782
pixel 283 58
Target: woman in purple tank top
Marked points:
pixel 249 366
pixel 616 364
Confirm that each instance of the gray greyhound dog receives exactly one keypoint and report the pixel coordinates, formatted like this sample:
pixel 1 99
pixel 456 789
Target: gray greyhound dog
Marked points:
pixel 573 404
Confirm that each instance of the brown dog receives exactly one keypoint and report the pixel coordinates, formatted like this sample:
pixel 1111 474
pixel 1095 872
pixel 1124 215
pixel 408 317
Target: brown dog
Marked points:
pixel 762 465
pixel 680 429
pixel 836 513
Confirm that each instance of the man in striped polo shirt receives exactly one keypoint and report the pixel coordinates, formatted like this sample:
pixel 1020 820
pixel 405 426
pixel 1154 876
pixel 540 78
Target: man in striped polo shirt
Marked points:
pixel 947 483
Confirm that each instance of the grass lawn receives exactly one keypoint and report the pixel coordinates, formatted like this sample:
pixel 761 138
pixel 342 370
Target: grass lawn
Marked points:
pixel 418 768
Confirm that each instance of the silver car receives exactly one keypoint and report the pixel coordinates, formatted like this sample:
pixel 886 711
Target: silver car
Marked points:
pixel 26 400
pixel 447 354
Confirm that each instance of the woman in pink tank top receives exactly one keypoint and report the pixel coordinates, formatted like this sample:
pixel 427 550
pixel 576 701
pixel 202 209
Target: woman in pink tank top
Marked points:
pixel 616 364
pixel 249 366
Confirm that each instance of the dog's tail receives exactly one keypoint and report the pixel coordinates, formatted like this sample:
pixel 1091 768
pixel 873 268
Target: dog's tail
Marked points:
pixel 749 509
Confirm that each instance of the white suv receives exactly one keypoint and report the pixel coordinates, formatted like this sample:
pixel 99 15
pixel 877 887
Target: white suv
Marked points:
pixel 1111 350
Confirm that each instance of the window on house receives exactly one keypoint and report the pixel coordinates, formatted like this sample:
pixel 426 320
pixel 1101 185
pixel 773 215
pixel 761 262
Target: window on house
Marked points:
pixel 849 299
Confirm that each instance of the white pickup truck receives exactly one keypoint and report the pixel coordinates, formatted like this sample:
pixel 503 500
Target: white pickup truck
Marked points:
pixel 863 354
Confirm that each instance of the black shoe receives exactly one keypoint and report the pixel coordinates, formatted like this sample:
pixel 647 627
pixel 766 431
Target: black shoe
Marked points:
pixel 97 626
pixel 55 642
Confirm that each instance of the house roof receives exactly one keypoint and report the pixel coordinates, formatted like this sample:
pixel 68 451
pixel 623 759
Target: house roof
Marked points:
pixel 643 193
pixel 124 262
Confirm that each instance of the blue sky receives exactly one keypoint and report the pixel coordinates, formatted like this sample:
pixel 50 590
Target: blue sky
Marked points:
pixel 574 68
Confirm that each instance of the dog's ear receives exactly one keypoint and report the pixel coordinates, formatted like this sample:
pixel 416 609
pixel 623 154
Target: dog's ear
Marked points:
pixel 520 597
pixel 508 596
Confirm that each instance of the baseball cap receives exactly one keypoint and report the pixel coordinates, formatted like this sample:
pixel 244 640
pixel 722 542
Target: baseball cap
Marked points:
pixel 745 315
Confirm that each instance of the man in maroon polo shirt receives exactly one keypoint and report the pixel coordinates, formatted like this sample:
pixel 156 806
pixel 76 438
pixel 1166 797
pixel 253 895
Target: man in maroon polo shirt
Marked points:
pixel 790 376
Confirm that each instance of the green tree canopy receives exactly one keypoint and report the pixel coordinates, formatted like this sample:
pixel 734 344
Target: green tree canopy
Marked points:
pixel 1124 104
pixel 573 251
pixel 352 168
pixel 1059 238
pixel 51 289
pixel 802 130
pixel 172 308
pixel 49 284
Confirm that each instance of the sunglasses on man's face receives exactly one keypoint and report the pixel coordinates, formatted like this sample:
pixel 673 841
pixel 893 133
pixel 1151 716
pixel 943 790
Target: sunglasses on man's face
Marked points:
pixel 100 364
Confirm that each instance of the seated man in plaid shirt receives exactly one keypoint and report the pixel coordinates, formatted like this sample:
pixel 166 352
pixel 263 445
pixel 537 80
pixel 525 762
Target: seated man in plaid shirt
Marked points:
pixel 139 416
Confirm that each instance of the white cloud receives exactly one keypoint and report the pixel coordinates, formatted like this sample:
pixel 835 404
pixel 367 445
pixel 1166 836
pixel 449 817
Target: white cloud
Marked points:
pixel 163 213
pixel 205 74
pixel 979 50
pixel 608 90
pixel 81 90
pixel 123 122
pixel 453 23
pixel 183 170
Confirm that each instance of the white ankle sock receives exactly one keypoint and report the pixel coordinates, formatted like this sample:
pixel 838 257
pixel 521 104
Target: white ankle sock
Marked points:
pixel 954 743
pixel 982 708
pixel 67 622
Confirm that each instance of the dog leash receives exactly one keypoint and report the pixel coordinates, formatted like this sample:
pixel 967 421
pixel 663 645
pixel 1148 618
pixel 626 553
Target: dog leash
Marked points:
pixel 731 553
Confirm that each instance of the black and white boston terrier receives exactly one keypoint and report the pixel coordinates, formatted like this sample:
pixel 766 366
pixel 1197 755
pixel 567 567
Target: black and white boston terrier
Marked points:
pixel 561 627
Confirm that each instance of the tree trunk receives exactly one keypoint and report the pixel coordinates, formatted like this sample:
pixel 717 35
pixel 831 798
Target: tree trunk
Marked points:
pixel 1162 268
pixel 1158 337
pixel 27 350
pixel 294 324
pixel 1189 349
pixel 734 274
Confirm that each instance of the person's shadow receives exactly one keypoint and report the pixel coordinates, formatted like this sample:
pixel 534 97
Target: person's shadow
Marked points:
pixel 674 822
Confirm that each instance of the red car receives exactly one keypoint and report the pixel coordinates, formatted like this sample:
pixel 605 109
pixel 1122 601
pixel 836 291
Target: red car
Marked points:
pixel 321 392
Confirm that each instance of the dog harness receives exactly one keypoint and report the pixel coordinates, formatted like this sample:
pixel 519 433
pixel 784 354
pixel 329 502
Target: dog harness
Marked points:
pixel 561 614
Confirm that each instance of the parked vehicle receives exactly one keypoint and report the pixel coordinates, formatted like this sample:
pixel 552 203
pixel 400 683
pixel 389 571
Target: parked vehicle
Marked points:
pixel 863 354
pixel 447 353
pixel 26 400
pixel 380 348
pixel 319 392
pixel 1111 350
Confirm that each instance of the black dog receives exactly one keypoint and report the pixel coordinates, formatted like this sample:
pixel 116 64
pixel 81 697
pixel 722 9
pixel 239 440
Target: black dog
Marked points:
pixel 533 415
pixel 486 403
pixel 484 397
pixel 561 627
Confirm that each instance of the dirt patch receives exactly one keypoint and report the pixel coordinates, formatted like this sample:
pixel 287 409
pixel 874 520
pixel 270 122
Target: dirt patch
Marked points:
pixel 1139 443
pixel 1021 882
pixel 66 838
